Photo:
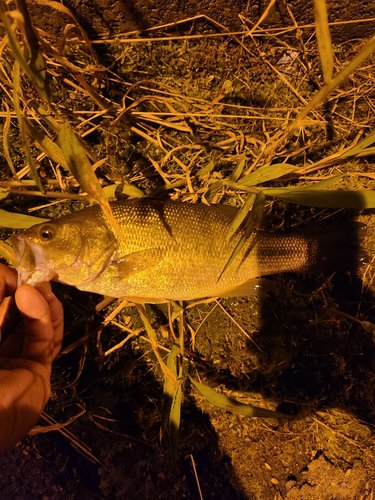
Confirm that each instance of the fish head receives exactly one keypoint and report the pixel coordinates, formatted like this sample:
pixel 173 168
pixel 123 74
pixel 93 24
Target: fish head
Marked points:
pixel 65 250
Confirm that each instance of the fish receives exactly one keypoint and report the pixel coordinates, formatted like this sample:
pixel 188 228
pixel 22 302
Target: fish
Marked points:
pixel 172 250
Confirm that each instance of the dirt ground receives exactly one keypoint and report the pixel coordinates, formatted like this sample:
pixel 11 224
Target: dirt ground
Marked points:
pixel 297 350
pixel 314 366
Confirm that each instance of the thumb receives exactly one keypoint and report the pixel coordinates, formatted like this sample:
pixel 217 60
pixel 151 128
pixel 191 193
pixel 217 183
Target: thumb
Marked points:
pixel 39 332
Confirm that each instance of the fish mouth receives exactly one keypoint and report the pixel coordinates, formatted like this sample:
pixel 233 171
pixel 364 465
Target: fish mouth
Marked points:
pixel 31 265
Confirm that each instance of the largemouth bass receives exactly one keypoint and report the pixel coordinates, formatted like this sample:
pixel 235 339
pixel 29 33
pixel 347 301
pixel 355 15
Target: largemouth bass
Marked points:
pixel 174 251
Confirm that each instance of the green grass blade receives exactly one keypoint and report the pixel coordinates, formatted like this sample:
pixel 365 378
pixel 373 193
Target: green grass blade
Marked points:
pixel 247 221
pixel 113 190
pixel 237 172
pixel 78 163
pixel 243 216
pixel 45 144
pixel 324 198
pixel 177 310
pixel 18 221
pixel 5 140
pixel 154 344
pixel 213 189
pixel 323 36
pixel 3 193
pixel 169 390
pixel 229 404
pixel 324 184
pixel 207 168
pixel 45 115
pixel 175 417
pixel 35 72
pixel 80 166
pixel 7 253
pixel 361 146
pixel 35 59
pixel 267 173
pixel 30 159
pixel 21 122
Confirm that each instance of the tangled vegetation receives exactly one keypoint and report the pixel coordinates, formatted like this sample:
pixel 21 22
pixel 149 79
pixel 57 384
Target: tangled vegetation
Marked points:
pixel 270 119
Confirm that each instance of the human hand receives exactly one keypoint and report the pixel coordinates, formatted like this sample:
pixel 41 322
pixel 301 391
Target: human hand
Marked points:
pixel 31 322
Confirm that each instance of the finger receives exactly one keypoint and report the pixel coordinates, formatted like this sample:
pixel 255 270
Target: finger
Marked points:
pixel 9 317
pixel 8 281
pixel 8 311
pixel 12 346
pixel 57 314
pixel 39 341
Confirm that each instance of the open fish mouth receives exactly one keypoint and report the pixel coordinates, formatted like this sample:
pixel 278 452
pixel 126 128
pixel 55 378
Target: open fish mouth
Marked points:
pixel 31 266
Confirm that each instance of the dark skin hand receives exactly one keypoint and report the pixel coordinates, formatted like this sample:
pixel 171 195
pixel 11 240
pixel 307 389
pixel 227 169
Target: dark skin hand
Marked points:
pixel 31 322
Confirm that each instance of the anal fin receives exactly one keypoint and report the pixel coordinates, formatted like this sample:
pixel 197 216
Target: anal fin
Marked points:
pixel 145 300
pixel 253 286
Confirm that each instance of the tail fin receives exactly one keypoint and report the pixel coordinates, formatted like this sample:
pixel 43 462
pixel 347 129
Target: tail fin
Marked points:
pixel 336 248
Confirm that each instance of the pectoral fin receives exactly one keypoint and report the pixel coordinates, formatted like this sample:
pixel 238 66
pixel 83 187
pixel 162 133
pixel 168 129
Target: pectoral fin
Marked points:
pixel 138 261
pixel 250 287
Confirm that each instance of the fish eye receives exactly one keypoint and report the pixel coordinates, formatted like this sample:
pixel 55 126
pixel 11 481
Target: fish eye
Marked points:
pixel 46 233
